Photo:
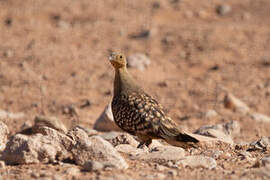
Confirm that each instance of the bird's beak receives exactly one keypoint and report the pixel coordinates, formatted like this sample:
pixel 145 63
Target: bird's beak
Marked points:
pixel 110 58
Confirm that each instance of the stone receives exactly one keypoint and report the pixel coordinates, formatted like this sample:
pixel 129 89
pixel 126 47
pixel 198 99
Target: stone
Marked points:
pixel 51 122
pixel 128 149
pixel 162 154
pixel 231 128
pixel 116 138
pixel 2 165
pixel 3 135
pixel 245 155
pixel 139 61
pixel 235 104
pixel 260 117
pixel 105 122
pixel 213 153
pixel 261 172
pixel 223 132
pixel 95 148
pixel 198 161
pixel 4 115
pixel 211 113
pixel 92 166
pixel 266 161
pixel 223 9
pixel 73 171
pixel 89 131
pixel 51 147
pixel 261 144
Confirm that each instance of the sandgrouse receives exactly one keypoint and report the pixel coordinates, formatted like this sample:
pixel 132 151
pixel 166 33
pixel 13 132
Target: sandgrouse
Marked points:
pixel 139 114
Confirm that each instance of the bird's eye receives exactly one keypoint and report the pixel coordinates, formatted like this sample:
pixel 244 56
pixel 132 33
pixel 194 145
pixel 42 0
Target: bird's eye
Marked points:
pixel 121 57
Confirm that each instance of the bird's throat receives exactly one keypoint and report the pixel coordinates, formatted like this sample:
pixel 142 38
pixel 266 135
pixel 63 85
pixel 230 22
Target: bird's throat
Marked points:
pixel 123 82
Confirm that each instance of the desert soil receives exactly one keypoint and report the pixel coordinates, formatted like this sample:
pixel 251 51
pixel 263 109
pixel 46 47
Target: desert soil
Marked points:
pixel 53 56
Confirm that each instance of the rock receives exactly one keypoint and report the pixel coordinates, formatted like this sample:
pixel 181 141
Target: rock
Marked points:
pixel 230 128
pixel 217 134
pixel 231 102
pixel 4 115
pixel 261 172
pixel 89 131
pixel 73 171
pixel 266 161
pixel 23 149
pixel 213 153
pixel 261 144
pixel 211 113
pixel 116 138
pixel 245 155
pixel 52 122
pixel 198 161
pixel 223 9
pixel 139 61
pixel 162 154
pixel 223 132
pixel 92 165
pixel 128 149
pixel 2 165
pixel 260 117
pixel 141 35
pixel 96 148
pixel 3 135
pixel 105 122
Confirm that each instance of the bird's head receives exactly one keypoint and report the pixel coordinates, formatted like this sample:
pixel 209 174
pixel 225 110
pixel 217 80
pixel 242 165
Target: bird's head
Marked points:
pixel 118 60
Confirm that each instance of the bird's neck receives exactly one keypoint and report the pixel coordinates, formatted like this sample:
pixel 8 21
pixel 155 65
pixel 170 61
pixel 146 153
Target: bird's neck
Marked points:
pixel 123 82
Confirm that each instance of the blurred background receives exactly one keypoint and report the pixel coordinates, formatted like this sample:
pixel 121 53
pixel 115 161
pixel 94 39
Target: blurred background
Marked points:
pixel 187 54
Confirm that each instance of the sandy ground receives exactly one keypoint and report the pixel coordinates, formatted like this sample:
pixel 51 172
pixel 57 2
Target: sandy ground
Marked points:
pixel 53 55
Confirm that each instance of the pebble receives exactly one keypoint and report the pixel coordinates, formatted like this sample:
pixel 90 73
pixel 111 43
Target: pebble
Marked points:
pixel 92 166
pixel 223 9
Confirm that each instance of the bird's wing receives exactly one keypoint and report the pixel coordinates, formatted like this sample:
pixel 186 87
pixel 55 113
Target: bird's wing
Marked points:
pixel 153 117
pixel 161 125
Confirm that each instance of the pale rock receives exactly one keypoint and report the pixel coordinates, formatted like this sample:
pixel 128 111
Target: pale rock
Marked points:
pixel 235 104
pixel 266 161
pixel 9 115
pixel 211 113
pixel 139 61
pixel 73 171
pixel 116 138
pixel 105 122
pixel 89 131
pixel 260 117
pixel 23 149
pixel 155 143
pixel 222 132
pixel 2 165
pixel 213 153
pixel 261 144
pixel 3 135
pixel 223 9
pixel 128 149
pixel 261 172
pixel 51 122
pixel 162 154
pixel 92 166
pixel 245 155
pixel 97 149
pixel 231 128
pixel 198 161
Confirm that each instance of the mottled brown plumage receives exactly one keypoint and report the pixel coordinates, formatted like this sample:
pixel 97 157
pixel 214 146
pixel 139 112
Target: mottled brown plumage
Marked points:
pixel 139 114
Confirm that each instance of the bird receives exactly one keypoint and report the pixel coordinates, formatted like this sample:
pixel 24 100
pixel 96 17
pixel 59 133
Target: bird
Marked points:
pixel 139 114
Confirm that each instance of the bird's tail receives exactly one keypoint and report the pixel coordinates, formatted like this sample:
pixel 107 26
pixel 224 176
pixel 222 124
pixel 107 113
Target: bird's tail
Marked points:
pixel 183 137
pixel 183 140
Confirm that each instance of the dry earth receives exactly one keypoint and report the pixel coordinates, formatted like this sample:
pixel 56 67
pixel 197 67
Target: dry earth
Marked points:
pixel 53 61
